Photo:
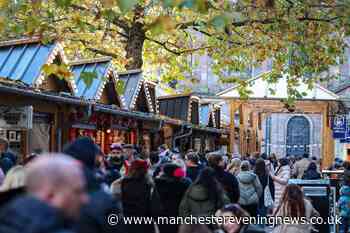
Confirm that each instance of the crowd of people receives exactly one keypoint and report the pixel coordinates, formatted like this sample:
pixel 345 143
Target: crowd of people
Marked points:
pixel 76 191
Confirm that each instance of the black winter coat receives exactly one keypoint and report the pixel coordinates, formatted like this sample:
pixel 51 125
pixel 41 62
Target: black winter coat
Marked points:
pixel 263 182
pixel 137 202
pixel 193 172
pixel 171 191
pixel 94 215
pixel 229 183
pixel 30 215
pixel 311 175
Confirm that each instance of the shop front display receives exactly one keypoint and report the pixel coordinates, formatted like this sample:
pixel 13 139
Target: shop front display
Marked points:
pixel 14 122
pixel 104 129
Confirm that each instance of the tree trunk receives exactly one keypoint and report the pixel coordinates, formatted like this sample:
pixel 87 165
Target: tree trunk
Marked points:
pixel 134 46
pixel 136 38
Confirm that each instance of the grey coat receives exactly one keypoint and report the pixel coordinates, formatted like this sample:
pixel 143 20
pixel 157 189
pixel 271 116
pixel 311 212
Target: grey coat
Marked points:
pixel 250 188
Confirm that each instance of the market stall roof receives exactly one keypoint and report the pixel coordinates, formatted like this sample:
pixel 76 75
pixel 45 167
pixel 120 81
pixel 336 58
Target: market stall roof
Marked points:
pixel 13 87
pixel 261 89
pixel 22 60
pixel 134 82
pixel 101 70
pixel 182 106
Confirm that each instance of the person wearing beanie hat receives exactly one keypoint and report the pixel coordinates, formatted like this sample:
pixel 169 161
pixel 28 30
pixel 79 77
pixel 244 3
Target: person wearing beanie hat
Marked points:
pixel 85 150
pixel 171 187
pixel 137 195
pixel 101 203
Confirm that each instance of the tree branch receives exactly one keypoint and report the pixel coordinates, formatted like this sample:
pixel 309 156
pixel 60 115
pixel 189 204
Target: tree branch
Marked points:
pixel 103 52
pixel 176 52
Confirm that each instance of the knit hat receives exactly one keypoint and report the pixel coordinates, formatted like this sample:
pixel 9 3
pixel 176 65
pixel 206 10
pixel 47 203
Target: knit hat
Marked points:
pixel 139 164
pixel 173 170
pixel 85 150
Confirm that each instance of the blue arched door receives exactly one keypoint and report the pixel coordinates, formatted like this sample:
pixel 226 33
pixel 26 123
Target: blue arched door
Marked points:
pixel 298 136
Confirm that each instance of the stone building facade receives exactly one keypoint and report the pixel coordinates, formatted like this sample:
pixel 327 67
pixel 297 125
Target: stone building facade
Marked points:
pixel 292 134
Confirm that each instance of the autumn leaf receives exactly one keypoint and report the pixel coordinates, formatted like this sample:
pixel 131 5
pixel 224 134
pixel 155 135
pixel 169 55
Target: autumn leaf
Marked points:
pixel 162 24
pixel 88 77
pixel 108 3
pixel 219 22
pixel 2 23
pixel 49 69
pixel 59 71
pixel 3 3
pixel 126 5
pixel 63 3
pixel 196 5
pixel 120 87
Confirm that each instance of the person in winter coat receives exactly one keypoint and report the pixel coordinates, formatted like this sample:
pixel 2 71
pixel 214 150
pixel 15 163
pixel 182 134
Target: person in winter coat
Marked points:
pixel 234 211
pixel 171 187
pixel 137 192
pixel 193 167
pixel 293 204
pixel 101 204
pixel 13 186
pixel 227 180
pixel 280 180
pixel 311 173
pixel 250 189
pixel 265 180
pixel 55 194
pixel 204 197
pixel 301 166
pixel 344 203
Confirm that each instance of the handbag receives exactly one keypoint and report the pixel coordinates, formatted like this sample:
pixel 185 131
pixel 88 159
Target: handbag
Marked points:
pixel 268 201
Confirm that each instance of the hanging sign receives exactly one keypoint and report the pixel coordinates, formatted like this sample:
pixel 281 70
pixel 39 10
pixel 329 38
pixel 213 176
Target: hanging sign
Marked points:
pixel 16 117
pixel 339 126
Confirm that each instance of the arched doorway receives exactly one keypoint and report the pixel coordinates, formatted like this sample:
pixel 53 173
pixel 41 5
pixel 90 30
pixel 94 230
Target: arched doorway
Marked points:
pixel 298 136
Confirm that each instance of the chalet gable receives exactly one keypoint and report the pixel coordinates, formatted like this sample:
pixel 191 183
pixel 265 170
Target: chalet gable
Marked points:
pixel 22 61
pixel 103 85
pixel 138 92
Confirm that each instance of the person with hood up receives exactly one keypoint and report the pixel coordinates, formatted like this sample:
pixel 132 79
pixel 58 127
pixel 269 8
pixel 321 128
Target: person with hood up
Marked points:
pixel 250 189
pixel 227 180
pixel 344 203
pixel 204 197
pixel 171 187
pixel 311 172
pixel 101 204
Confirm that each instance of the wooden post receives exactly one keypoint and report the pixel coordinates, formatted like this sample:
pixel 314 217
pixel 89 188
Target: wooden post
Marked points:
pixel 242 130
pixel 327 140
pixel 232 127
